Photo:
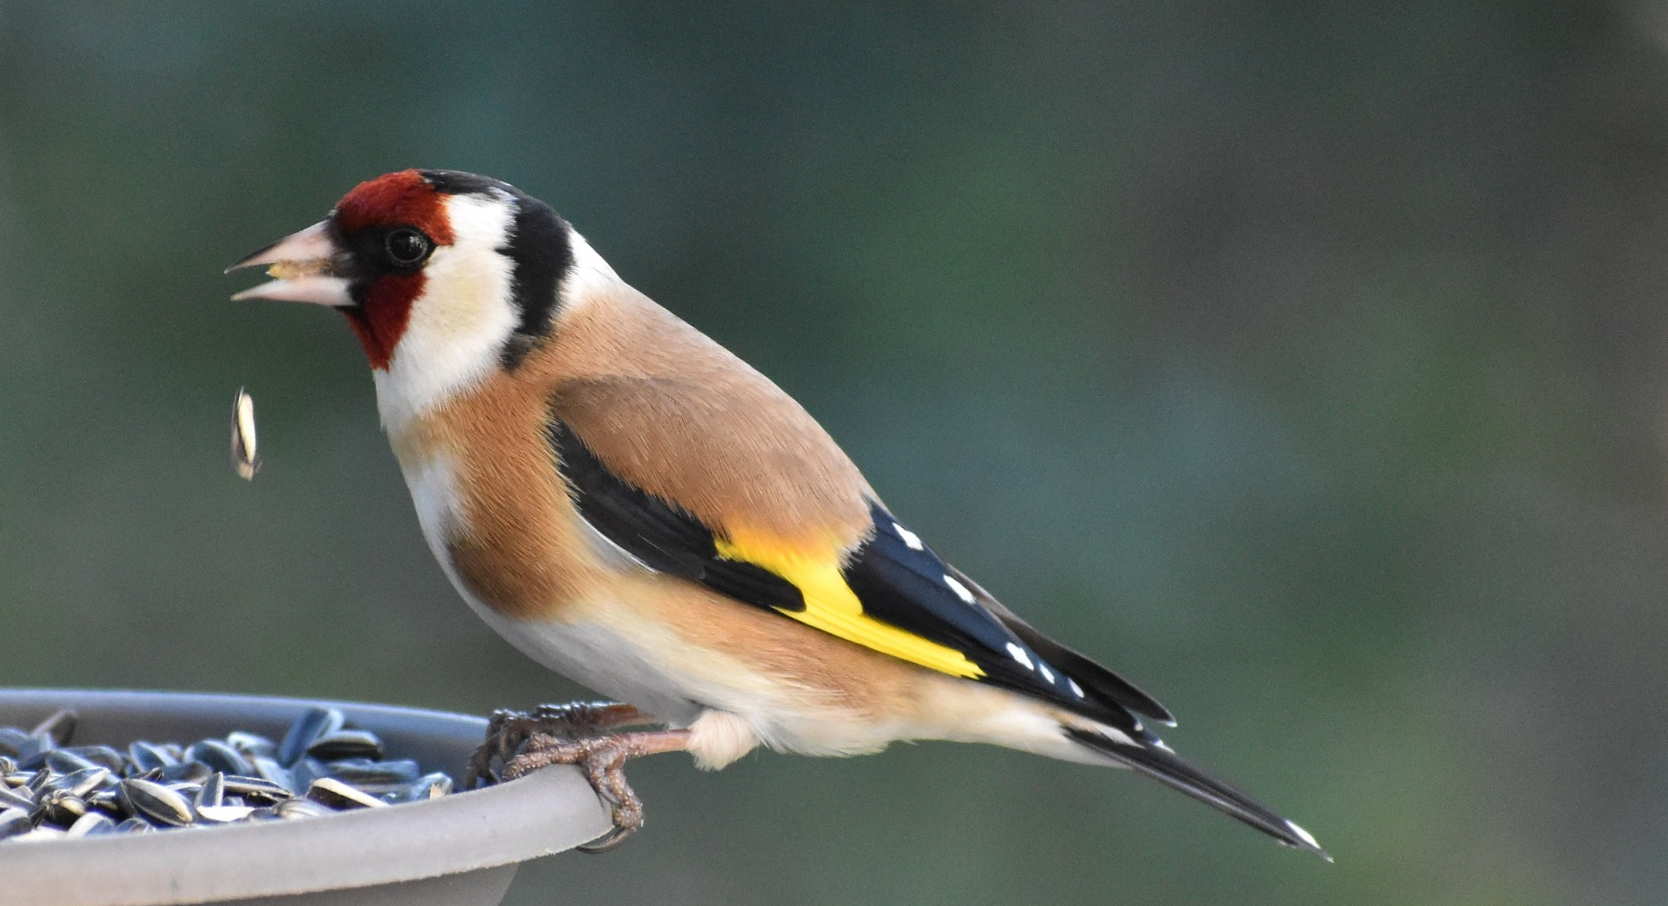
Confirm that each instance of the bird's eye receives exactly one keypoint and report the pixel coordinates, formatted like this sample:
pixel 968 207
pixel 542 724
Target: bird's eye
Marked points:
pixel 406 246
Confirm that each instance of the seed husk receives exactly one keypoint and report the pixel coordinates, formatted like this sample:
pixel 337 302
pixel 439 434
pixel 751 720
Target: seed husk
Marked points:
pixel 59 807
pixel 251 744
pixel 192 772
pixel 257 789
pixel 224 814
pixel 335 793
pixel 220 756
pixel 346 744
pixel 55 791
pixel 246 461
pixel 270 770
pixel 81 782
pixel 63 761
pixel 312 724
pixel 156 802
pixel 15 821
pixel 10 798
pixel 301 808
pixel 103 756
pixel 147 757
pixel 60 727
pixel 212 793
pixel 91 824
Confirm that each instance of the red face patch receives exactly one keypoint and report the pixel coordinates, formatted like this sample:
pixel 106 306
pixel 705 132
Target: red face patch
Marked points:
pixel 396 199
pixel 380 321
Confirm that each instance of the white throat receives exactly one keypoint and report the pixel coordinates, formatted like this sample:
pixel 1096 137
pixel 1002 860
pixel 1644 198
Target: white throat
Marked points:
pixel 457 328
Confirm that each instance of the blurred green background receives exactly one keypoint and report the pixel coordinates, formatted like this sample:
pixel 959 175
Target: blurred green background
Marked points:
pixel 1306 363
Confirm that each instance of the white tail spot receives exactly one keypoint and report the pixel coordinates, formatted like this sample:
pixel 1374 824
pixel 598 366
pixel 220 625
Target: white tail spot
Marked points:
pixel 1116 735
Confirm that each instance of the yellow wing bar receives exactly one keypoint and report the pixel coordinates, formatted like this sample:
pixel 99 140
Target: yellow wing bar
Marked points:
pixel 831 606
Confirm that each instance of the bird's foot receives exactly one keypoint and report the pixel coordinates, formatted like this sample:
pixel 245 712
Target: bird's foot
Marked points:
pixel 509 730
pixel 602 759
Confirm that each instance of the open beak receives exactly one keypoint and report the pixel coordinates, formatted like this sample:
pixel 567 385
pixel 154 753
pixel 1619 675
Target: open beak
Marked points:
pixel 304 264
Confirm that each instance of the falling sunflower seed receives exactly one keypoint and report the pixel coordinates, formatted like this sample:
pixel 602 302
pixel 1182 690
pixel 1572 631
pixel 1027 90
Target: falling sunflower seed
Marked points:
pixel 245 459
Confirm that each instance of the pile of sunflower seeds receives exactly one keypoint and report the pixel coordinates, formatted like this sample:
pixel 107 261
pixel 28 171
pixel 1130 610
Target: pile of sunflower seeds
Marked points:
pixel 52 789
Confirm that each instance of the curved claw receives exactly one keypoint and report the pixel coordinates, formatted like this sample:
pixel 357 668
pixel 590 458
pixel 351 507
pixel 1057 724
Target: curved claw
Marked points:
pixel 602 760
pixel 615 836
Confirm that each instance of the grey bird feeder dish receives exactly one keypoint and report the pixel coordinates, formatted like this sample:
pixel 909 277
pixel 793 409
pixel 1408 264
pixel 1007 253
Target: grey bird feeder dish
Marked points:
pixel 457 850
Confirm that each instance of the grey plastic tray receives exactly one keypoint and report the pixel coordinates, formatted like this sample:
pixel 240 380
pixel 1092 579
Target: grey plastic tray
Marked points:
pixel 458 850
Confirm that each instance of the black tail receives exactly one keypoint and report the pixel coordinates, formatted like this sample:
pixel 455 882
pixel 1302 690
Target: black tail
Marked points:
pixel 1148 757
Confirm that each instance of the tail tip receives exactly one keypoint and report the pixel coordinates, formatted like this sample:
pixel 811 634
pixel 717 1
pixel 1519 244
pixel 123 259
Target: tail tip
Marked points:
pixel 1302 839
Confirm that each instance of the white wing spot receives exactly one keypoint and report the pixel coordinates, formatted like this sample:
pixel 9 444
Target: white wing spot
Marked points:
pixel 1159 744
pixel 1020 656
pixel 1048 675
pixel 961 592
pixel 909 537
pixel 1140 727
pixel 1075 688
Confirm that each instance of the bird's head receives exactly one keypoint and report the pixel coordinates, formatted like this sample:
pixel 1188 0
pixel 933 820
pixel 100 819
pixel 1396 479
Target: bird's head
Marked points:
pixel 445 276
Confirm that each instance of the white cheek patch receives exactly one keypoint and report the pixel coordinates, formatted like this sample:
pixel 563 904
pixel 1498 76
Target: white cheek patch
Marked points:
pixel 462 319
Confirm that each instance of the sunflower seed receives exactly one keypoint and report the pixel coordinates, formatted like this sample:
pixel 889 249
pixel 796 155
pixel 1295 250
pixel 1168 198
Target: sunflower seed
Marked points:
pixel 212 793
pixel 60 727
pixel 224 814
pixel 365 773
pixel 50 790
pixel 337 794
pixel 91 824
pixel 256 789
pixel 312 724
pixel 60 807
pixel 103 756
pixel 147 757
pixel 245 459
pixel 192 772
pixel 14 821
pixel 81 782
pixel 220 756
pixel 301 808
pixel 251 744
pixel 156 802
pixel 270 770
pixel 63 761
pixel 346 744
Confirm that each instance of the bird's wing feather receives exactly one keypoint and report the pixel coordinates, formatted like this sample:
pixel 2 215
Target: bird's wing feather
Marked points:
pixel 883 589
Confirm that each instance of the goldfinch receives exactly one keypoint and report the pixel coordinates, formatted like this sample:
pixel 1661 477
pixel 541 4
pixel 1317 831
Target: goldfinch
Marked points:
pixel 635 507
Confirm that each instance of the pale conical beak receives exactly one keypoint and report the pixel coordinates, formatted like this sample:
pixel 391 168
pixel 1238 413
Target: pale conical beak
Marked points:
pixel 304 264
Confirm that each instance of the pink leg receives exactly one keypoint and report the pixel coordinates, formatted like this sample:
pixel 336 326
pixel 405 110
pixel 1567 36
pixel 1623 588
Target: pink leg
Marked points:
pixel 602 759
pixel 508 730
